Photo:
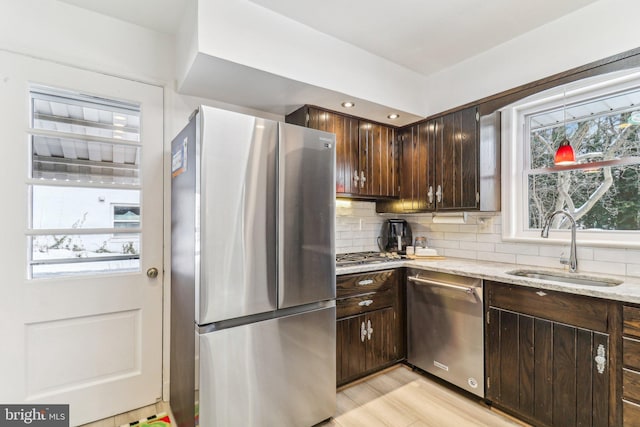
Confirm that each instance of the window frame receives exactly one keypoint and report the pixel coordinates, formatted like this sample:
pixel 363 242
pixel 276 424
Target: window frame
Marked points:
pixel 515 160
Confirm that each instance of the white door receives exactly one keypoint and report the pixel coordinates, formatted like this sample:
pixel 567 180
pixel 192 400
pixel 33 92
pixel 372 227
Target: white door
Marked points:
pixel 81 225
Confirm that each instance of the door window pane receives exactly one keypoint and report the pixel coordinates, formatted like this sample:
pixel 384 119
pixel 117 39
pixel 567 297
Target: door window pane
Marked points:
pixel 66 159
pixel 77 207
pixel 88 151
pixel 68 254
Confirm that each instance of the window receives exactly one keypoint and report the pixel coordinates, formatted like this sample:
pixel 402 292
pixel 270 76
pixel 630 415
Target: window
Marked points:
pixel 84 185
pixel 601 119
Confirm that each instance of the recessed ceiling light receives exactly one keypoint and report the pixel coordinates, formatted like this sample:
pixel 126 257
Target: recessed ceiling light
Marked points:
pixel 393 116
pixel 348 104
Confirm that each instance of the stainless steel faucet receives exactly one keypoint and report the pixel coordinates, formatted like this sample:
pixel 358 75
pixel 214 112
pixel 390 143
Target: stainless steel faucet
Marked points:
pixel 573 259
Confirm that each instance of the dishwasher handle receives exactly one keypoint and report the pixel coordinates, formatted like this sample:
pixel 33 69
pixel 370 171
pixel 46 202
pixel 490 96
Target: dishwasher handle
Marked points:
pixel 422 281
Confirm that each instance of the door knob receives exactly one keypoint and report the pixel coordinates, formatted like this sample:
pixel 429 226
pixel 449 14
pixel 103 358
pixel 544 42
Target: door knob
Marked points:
pixel 152 273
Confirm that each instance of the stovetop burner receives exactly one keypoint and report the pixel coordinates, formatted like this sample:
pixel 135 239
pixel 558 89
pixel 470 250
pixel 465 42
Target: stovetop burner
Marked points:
pixel 371 257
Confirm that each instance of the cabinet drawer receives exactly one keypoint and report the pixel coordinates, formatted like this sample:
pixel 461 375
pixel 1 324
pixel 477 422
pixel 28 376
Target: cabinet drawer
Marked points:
pixel 356 284
pixel 577 310
pixel 363 303
pixel 631 321
pixel 631 385
pixel 631 353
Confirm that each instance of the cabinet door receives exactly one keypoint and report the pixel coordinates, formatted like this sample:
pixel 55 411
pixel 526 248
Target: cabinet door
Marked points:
pixel 347 150
pixel 417 145
pixel 407 139
pixel 350 348
pixel 379 162
pixel 548 372
pixel 381 338
pixel 457 160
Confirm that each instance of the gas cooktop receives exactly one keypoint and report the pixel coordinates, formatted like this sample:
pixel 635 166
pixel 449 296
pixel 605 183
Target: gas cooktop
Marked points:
pixel 371 257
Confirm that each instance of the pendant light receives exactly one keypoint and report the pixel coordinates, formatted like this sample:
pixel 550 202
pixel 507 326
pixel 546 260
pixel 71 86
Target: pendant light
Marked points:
pixel 565 154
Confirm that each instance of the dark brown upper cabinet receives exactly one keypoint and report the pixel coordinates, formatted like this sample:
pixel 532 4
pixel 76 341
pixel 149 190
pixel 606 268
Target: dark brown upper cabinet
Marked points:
pixel 456 156
pixel 439 165
pixel 367 155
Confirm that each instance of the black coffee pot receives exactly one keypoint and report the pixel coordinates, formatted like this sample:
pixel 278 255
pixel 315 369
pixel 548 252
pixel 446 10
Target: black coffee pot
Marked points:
pixel 395 236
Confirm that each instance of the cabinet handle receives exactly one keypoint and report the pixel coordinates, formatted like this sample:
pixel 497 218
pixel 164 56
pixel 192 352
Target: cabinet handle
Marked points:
pixel 369 329
pixel 600 359
pixel 430 194
pixel 439 194
pixel 362 179
pixel 355 177
pixel 365 303
pixel 365 282
pixel 363 332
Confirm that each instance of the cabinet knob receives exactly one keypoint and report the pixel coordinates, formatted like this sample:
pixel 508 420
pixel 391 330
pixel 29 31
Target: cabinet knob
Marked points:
pixel 430 194
pixel 362 179
pixel 363 332
pixel 365 303
pixel 439 194
pixel 355 177
pixel 369 329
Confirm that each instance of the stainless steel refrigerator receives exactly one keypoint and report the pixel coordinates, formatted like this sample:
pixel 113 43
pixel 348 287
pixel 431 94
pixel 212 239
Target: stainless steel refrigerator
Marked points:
pixel 253 272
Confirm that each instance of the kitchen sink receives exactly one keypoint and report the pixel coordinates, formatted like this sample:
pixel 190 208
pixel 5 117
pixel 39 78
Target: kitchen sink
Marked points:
pixel 571 278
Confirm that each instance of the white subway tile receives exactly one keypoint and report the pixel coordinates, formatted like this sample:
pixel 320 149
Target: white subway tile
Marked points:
pixel 489 238
pixel 539 261
pixel 517 248
pixel 342 244
pixel 616 255
pixel 633 270
pixel 497 257
pixel 475 246
pixel 454 244
pixel 469 237
pixel 453 228
pixel 467 228
pixel 604 267
pixel 457 253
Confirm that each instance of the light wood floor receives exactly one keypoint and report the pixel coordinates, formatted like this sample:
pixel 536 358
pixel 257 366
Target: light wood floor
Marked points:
pixel 400 397
pixel 397 397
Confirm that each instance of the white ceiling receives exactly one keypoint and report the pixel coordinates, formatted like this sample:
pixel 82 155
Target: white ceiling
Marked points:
pixel 423 35
pixel 159 15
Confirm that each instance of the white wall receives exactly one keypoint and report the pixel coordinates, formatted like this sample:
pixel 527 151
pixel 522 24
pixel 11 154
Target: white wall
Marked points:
pixel 245 33
pixel 63 33
pixel 599 30
pixel 358 225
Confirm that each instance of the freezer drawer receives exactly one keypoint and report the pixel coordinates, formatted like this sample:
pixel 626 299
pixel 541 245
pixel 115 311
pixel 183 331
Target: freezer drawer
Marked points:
pixel 279 372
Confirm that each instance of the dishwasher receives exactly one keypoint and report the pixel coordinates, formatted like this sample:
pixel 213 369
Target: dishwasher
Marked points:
pixel 445 327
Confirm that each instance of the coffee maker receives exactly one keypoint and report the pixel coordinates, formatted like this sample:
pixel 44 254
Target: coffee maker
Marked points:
pixel 395 236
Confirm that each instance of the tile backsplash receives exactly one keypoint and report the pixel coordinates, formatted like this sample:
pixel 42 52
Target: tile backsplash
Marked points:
pixel 480 238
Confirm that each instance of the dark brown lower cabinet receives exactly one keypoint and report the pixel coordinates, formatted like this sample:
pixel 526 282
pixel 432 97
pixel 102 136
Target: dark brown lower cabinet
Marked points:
pixel 551 356
pixel 370 326
pixel 365 343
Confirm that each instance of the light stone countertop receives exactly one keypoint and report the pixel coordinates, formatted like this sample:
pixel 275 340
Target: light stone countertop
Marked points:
pixel 629 291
